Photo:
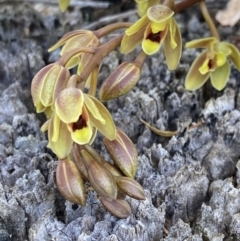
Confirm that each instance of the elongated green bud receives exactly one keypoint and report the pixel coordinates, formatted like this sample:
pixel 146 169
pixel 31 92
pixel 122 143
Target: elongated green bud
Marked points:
pixel 69 182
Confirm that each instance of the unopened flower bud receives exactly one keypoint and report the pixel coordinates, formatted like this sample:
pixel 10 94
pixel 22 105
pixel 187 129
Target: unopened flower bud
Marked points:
pixel 99 177
pixel 120 81
pixel 78 160
pixel 123 153
pixel 69 182
pixel 118 207
pixel 121 195
pixel 47 84
pixel 130 187
pixel 97 157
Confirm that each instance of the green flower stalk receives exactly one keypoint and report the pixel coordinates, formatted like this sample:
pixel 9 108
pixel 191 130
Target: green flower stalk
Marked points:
pixel 152 30
pixel 212 63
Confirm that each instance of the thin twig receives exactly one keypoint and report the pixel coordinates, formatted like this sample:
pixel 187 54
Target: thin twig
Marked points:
pixel 72 3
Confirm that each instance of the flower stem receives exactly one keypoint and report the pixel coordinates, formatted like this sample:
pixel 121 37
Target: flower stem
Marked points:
pixel 100 53
pixel 179 7
pixel 66 57
pixel 94 80
pixel 110 28
pixel 139 60
pixel 209 20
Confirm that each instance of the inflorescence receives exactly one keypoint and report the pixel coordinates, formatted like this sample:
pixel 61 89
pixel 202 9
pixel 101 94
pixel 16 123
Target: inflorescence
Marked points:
pixel 75 115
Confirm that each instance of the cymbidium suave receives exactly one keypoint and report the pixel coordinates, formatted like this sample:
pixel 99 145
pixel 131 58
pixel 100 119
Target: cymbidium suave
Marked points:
pixel 213 63
pixel 152 30
pixel 77 117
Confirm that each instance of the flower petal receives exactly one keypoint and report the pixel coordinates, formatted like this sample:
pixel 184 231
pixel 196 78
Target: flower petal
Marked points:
pixel 174 29
pixel 93 108
pixel 68 36
pixel 73 62
pixel 234 55
pixel 49 84
pixel 204 68
pixel 63 4
pixel 159 13
pixel 76 42
pixel 69 104
pixel 195 79
pixel 62 147
pixel 37 86
pixel 138 26
pixel 220 59
pixel 150 47
pixel 173 55
pixel 152 41
pixel 142 8
pixel 55 124
pixel 221 47
pixel 81 131
pixel 220 76
pixel 108 128
pixel 82 136
pixel 201 43
pixel 129 43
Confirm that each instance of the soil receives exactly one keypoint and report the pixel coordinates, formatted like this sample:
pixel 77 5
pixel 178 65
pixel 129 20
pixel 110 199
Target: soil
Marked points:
pixel 191 181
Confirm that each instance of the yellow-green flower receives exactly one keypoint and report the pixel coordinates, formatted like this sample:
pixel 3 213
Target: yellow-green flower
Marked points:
pixel 211 63
pixel 156 27
pixel 83 113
